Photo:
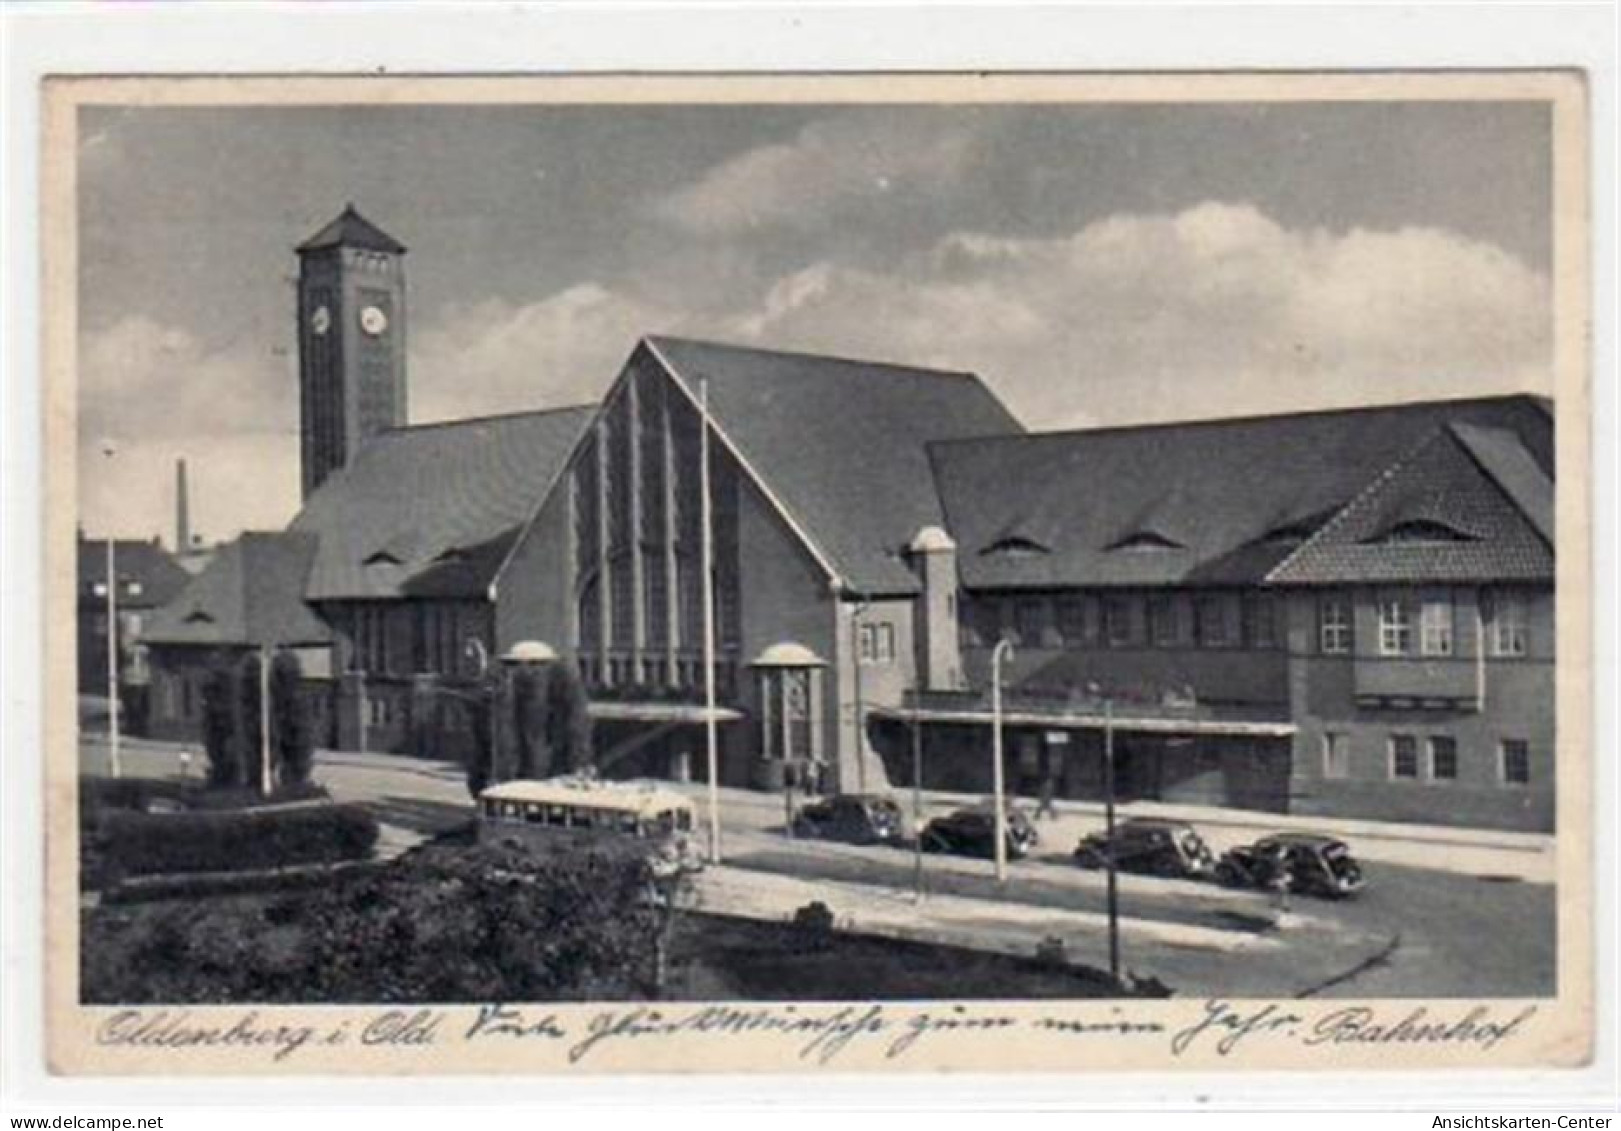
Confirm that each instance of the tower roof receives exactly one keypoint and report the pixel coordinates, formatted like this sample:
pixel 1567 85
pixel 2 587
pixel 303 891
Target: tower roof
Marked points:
pixel 351 229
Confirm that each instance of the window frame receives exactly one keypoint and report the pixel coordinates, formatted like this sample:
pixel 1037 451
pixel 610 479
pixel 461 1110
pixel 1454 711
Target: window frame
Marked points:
pixel 1437 634
pixel 1395 634
pixel 1335 751
pixel 1202 604
pixel 1115 612
pixel 1518 626
pixel 1431 745
pixel 1397 742
pixel 1341 628
pixel 1523 748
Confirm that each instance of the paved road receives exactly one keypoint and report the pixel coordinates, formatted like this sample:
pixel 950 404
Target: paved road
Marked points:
pixel 1447 933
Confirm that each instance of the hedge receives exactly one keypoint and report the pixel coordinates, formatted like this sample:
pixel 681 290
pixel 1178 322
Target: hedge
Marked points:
pixel 137 843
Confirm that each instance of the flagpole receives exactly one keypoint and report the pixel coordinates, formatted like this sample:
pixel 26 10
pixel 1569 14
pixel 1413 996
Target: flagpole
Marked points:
pixel 710 736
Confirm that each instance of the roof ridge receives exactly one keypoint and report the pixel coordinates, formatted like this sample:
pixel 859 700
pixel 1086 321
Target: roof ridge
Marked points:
pixel 486 418
pixel 1249 418
pixel 813 355
pixel 1373 487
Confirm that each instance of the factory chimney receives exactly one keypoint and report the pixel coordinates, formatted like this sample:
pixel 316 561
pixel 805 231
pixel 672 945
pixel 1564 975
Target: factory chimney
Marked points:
pixel 182 510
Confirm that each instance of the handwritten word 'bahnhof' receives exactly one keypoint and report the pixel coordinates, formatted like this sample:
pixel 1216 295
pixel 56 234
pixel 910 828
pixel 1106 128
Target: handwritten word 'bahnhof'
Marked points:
pixel 818 1036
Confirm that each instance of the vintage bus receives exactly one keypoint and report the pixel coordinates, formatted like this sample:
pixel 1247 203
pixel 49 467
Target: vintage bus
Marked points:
pixel 538 813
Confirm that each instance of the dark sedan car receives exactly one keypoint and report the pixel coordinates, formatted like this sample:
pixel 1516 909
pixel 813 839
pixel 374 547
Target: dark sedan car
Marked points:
pixel 1149 846
pixel 1296 862
pixel 972 832
pixel 852 817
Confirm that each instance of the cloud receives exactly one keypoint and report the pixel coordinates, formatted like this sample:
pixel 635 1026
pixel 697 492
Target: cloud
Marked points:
pixel 1214 310
pixel 159 393
pixel 496 356
pixel 857 159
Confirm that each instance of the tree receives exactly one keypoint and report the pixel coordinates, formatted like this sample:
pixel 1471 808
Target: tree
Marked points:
pixel 529 722
pixel 290 719
pixel 568 719
pixel 247 720
pixel 220 739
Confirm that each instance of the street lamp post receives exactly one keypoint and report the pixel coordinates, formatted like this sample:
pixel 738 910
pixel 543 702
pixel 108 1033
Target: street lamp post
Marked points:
pixel 1002 652
pixel 917 797
pixel 114 764
pixel 267 774
pixel 1108 827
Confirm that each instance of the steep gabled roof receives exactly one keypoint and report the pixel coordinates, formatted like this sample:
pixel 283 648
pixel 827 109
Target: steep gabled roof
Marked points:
pixel 146 563
pixel 840 444
pixel 351 229
pixel 417 509
pixel 1435 516
pixel 1236 497
pixel 251 593
pixel 1502 456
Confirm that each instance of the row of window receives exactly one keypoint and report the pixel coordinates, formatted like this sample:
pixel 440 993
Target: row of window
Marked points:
pixel 1423 625
pixel 1407 623
pixel 1120 620
pixel 436 640
pixel 1430 758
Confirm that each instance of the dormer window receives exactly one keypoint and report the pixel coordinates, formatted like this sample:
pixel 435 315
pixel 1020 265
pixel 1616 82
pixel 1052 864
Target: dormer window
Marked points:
pixel 1016 546
pixel 198 616
pixel 1144 540
pixel 381 557
pixel 1421 530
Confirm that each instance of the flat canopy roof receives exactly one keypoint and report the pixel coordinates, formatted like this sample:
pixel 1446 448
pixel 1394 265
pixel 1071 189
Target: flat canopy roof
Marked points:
pixel 646 712
pixel 645 799
pixel 1088 719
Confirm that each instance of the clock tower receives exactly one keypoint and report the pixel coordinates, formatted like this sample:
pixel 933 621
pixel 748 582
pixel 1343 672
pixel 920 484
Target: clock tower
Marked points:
pixel 351 341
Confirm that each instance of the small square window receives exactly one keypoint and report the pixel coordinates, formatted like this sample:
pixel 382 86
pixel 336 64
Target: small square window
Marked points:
pixel 1443 757
pixel 1403 756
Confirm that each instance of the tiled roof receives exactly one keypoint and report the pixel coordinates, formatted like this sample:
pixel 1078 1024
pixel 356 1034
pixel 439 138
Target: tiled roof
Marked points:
pixel 1214 502
pixel 1436 515
pixel 418 508
pixel 841 444
pixel 1504 458
pixel 351 229
pixel 251 593
pixel 147 563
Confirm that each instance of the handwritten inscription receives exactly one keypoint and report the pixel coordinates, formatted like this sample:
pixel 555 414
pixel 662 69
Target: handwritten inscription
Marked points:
pixel 820 1035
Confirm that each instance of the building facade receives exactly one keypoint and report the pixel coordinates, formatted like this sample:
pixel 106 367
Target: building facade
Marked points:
pixel 1347 613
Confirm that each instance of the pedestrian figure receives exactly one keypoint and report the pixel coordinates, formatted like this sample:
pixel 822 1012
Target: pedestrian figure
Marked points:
pixel 1045 807
pixel 185 764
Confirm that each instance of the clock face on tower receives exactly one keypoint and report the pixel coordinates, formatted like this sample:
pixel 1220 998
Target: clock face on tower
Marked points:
pixel 321 320
pixel 373 321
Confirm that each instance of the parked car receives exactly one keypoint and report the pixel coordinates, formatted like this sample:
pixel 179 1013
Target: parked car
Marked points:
pixel 1149 846
pixel 1298 862
pixel 852 817
pixel 972 832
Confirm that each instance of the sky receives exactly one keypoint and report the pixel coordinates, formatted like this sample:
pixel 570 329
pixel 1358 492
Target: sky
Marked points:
pixel 1096 264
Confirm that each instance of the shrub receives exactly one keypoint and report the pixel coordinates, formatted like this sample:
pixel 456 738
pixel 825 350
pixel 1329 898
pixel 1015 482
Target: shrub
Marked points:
pixel 440 924
pixel 236 839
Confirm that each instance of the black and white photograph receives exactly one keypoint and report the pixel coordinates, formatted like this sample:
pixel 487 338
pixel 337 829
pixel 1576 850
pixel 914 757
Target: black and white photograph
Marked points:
pixel 826 574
